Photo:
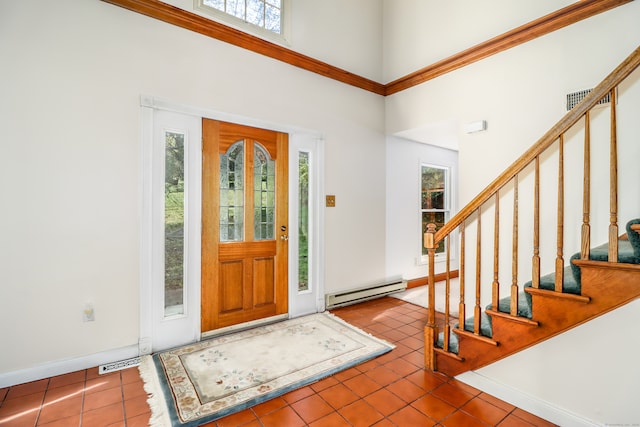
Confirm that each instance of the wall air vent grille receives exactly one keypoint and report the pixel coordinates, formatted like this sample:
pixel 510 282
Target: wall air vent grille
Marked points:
pixel 574 98
pixel 118 366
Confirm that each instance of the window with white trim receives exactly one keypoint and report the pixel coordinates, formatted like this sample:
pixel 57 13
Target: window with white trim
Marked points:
pixel 434 200
pixel 263 16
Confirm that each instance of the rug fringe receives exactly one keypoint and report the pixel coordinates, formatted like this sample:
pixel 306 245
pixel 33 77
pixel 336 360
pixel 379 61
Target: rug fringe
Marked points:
pixel 156 401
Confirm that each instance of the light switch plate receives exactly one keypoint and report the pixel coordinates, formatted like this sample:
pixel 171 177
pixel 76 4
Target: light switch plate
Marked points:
pixel 331 201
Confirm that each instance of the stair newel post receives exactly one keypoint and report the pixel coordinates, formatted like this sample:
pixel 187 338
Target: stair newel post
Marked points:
pixel 586 190
pixel 535 262
pixel 461 306
pixel 495 297
pixel 514 259
pixel 430 331
pixel 560 237
pixel 477 310
pixel 613 181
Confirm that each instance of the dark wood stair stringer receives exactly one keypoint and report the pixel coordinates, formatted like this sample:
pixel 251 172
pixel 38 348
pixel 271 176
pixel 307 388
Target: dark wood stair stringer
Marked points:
pixel 605 287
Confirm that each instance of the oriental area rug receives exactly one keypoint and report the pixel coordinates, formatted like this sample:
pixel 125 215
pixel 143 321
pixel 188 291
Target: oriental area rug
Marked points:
pixel 201 382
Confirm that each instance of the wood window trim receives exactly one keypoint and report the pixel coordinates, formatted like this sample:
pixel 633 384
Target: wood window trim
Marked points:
pixel 539 27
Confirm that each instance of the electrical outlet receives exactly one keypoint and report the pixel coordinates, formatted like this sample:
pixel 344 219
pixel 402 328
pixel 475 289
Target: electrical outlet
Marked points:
pixel 88 314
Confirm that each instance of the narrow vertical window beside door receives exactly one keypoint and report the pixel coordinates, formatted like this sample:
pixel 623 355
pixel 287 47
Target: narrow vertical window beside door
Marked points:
pixel 434 203
pixel 174 224
pixel 303 222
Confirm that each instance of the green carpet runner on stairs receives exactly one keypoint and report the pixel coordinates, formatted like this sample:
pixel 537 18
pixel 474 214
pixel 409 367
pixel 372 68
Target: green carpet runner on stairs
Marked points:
pixel 628 252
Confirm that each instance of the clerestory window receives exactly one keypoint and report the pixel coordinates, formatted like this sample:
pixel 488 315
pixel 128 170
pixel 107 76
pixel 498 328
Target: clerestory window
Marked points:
pixel 265 16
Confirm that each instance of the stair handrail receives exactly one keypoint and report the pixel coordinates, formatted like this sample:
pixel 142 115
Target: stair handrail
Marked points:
pixel 571 118
pixel 432 238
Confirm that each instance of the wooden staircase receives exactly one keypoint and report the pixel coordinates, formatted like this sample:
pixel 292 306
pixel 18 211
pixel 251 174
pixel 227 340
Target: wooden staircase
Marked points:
pixel 605 287
pixel 547 305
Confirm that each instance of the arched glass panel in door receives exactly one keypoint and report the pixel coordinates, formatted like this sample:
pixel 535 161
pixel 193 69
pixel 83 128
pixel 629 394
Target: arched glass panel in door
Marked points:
pixel 264 183
pixel 232 193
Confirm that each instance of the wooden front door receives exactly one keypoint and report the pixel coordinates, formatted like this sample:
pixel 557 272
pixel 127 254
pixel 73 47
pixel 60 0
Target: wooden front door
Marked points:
pixel 244 224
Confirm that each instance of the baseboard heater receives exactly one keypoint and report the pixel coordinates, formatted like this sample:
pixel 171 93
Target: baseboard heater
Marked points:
pixel 353 296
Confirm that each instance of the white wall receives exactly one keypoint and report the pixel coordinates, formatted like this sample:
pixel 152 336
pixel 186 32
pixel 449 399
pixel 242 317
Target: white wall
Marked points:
pixel 351 37
pixel 520 93
pixel 418 33
pixel 571 379
pixel 404 223
pixel 70 164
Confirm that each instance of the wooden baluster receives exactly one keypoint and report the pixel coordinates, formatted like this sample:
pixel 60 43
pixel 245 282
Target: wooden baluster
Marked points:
pixel 514 249
pixel 495 291
pixel 447 329
pixel 613 182
pixel 430 331
pixel 560 236
pixel 477 311
pixel 535 262
pixel 586 191
pixel 461 305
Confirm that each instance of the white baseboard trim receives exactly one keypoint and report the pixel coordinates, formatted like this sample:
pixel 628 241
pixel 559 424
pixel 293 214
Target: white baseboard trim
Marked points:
pixel 524 401
pixel 59 367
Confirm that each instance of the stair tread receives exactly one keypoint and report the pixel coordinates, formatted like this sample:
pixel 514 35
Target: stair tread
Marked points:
pixel 627 253
pixel 485 330
pixel 524 305
pixel 548 282
pixel 453 342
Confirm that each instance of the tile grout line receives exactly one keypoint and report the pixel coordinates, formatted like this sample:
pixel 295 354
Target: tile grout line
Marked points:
pixel 84 394
pixel 124 408
pixel 42 402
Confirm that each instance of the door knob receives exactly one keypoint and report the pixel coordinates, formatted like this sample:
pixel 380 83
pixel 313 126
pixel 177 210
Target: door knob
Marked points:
pixel 284 237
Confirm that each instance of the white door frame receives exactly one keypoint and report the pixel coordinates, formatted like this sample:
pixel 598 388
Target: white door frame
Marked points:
pixel 311 301
pixel 158 332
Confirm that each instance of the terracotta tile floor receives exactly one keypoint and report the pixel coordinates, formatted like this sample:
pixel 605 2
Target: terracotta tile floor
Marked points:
pixel 391 390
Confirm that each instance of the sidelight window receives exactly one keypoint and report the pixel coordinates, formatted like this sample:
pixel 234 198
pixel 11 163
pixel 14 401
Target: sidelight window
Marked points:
pixel 303 221
pixel 174 223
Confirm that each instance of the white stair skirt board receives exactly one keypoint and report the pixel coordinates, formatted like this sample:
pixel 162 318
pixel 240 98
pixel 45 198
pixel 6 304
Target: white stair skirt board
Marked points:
pixel 524 401
pixel 59 367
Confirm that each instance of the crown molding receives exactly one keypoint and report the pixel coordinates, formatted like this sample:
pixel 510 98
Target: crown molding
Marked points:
pixel 554 21
pixel 191 21
pixel 571 14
